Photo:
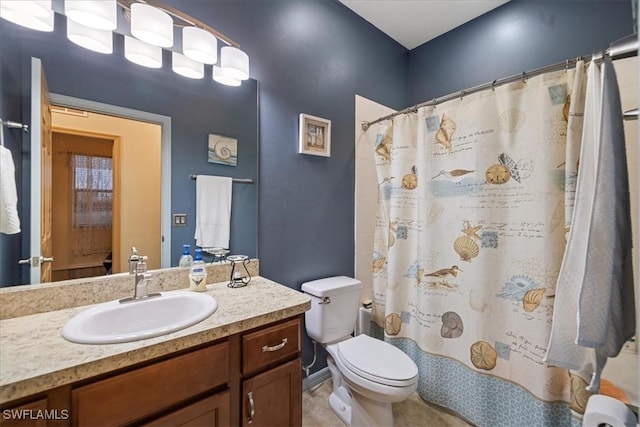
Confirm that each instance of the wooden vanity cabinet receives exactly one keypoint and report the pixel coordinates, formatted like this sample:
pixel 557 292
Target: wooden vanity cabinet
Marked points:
pixel 127 398
pixel 272 376
pixel 220 384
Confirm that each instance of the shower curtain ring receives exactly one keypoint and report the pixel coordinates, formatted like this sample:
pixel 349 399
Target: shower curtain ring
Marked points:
pixel 493 85
pixel 461 94
pixel 524 77
pixel 566 66
pixel 434 103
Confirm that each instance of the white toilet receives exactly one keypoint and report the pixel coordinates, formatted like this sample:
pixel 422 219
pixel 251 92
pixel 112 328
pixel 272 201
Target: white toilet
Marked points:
pixel 368 374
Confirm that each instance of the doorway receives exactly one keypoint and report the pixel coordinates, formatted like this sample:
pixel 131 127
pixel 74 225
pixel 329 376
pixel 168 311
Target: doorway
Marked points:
pixel 107 191
pixel 85 224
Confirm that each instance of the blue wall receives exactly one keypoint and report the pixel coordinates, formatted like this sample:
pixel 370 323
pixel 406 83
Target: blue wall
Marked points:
pixel 310 57
pixel 518 36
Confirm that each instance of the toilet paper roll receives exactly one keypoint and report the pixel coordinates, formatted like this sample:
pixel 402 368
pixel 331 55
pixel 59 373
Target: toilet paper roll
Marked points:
pixel 605 410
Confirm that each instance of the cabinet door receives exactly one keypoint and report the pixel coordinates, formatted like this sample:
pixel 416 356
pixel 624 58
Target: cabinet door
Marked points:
pixel 274 398
pixel 212 411
pixel 125 398
pixel 29 415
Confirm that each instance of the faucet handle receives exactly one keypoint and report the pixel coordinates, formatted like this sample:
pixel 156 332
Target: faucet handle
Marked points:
pixel 141 265
pixel 133 260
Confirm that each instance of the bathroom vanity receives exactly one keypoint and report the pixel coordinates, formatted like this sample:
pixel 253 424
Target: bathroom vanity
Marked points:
pixel 240 366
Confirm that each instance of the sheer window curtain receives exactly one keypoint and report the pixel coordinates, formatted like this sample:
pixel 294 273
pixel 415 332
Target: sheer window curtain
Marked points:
pixel 92 201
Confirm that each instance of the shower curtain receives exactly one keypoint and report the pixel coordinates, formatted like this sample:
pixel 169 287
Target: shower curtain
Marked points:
pixel 475 196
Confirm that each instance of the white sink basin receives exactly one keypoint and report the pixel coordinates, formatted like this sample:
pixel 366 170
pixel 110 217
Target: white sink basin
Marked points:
pixel 115 322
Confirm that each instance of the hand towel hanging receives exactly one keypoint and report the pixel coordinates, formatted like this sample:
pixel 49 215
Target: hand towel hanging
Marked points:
pixel 213 211
pixel 9 219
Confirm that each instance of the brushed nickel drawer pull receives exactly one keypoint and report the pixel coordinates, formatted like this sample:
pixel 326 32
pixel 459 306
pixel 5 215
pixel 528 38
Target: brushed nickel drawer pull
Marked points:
pixel 266 348
pixel 252 408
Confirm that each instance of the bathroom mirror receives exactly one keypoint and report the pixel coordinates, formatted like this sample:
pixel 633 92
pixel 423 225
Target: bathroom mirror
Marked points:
pixel 195 109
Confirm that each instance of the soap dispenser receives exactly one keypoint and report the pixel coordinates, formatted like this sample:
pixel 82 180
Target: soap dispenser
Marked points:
pixel 198 273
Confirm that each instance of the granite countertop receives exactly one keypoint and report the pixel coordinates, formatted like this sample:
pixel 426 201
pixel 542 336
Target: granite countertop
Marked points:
pixel 35 357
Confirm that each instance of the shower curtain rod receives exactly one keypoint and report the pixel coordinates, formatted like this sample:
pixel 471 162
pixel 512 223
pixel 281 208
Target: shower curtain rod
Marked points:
pixel 623 48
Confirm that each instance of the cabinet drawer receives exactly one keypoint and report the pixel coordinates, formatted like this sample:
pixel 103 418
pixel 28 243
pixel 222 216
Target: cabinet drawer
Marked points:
pixel 130 396
pixel 270 345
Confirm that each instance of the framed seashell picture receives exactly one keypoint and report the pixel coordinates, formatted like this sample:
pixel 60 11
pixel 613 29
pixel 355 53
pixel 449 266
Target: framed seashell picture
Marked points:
pixel 223 150
pixel 314 136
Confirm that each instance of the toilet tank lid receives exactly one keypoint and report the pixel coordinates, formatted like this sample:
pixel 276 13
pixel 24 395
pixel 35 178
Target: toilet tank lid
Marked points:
pixel 331 286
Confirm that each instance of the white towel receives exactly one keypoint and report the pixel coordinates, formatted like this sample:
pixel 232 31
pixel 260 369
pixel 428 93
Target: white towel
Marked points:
pixel 562 350
pixel 9 219
pixel 213 211
pixel 594 307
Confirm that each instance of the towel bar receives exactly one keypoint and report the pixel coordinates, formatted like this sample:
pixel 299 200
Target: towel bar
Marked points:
pixel 240 180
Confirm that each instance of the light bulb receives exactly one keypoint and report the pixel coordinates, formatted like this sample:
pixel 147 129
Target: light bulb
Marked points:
pixel 142 53
pixel 220 76
pixel 100 41
pixel 234 62
pixel 33 14
pixel 98 14
pixel 151 25
pixel 199 45
pixel 186 67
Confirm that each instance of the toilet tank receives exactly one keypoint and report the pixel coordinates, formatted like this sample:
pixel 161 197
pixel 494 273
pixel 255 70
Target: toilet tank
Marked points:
pixel 334 308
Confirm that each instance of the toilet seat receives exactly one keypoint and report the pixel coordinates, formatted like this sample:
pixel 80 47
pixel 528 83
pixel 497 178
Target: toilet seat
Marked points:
pixel 377 361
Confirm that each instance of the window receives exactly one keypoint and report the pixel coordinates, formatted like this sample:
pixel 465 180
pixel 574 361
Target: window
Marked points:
pixel 92 191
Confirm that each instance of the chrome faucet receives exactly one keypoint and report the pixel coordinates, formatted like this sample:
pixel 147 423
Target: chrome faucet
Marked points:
pixel 133 260
pixel 138 267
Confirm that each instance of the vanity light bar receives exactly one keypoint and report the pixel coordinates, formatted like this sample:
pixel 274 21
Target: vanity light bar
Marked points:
pixel 90 23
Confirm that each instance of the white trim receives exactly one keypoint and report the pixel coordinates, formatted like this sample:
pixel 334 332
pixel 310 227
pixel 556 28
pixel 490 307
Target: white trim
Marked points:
pixel 36 160
pixel 165 124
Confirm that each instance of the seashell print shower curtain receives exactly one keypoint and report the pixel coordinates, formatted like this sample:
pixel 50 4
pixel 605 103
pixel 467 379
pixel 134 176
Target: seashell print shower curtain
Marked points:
pixel 469 239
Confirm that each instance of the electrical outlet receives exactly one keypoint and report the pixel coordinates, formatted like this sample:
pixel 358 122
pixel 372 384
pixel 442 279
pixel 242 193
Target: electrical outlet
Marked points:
pixel 630 346
pixel 179 220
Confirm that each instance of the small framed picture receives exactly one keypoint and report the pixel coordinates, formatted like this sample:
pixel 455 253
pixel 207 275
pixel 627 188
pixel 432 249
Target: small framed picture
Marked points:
pixel 315 136
pixel 223 150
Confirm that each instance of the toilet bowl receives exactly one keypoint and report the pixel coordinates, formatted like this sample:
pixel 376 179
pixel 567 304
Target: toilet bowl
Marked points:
pixel 375 374
pixel 368 374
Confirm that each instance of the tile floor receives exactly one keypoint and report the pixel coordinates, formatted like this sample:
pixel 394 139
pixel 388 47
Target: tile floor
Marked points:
pixel 413 412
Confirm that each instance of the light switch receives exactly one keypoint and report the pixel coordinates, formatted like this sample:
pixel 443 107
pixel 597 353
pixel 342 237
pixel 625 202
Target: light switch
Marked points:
pixel 179 220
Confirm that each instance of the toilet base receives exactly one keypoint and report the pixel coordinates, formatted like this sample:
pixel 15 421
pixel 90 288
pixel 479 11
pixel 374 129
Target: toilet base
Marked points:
pixel 353 408
pixel 366 412
pixel 360 411
pixel 339 407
